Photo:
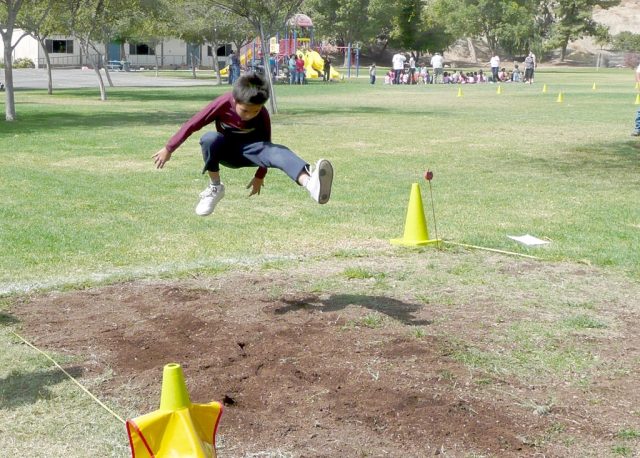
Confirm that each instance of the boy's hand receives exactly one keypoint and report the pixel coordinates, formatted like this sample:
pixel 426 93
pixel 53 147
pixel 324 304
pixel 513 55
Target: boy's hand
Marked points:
pixel 161 157
pixel 255 184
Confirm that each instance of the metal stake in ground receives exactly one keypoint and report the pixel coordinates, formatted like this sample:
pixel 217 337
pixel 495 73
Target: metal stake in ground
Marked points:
pixel 429 177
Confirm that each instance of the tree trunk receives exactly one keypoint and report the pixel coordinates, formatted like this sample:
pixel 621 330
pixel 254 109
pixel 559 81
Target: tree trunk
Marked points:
pixel 273 104
pixel 384 48
pixel 216 64
pixel 103 92
pixel 105 63
pixel 49 77
pixel 157 65
pixel 10 108
pixel 472 50
pixel 563 52
pixel 47 57
pixel 193 64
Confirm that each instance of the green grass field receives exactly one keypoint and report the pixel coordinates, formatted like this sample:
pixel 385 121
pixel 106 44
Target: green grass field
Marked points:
pixel 83 205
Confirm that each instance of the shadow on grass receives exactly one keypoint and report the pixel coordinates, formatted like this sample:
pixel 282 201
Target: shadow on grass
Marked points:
pixel 20 389
pixel 398 310
pixel 7 320
pixel 58 122
pixel 603 156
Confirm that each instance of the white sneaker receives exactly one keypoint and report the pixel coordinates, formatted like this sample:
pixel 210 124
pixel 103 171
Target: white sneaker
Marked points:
pixel 319 182
pixel 209 198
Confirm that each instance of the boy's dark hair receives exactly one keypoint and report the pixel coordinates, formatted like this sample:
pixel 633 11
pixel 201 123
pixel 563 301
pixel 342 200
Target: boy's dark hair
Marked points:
pixel 251 89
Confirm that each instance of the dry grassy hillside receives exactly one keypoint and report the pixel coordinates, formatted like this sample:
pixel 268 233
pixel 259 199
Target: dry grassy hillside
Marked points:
pixel 583 52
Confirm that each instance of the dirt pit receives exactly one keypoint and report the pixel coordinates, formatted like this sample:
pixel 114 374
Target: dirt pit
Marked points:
pixel 312 374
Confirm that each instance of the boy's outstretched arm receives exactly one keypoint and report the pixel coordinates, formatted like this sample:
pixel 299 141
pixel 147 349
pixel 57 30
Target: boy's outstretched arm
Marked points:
pixel 162 157
pixel 255 184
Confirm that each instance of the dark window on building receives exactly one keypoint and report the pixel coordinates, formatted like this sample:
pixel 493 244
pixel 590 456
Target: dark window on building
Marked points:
pixel 141 50
pixel 59 46
pixel 220 52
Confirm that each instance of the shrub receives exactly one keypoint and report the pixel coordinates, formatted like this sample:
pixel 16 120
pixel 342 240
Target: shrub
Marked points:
pixel 632 59
pixel 23 62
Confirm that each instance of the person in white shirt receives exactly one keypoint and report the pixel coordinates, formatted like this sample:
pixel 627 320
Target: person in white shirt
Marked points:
pixel 398 66
pixel 412 69
pixel 535 64
pixel 494 63
pixel 636 132
pixel 437 62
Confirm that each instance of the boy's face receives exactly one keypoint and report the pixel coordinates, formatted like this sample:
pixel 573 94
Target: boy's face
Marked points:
pixel 247 111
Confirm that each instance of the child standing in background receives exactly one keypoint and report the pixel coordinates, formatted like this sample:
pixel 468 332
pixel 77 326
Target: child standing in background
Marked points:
pixel 372 73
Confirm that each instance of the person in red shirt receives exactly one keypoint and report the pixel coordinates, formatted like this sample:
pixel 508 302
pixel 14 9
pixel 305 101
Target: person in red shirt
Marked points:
pixel 243 139
pixel 299 70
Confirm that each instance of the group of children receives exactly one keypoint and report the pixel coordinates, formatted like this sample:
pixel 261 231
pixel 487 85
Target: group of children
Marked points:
pixel 417 76
pixel 422 76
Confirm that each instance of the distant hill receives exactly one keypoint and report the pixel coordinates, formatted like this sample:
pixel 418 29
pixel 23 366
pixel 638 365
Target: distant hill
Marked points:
pixel 583 52
pixel 624 17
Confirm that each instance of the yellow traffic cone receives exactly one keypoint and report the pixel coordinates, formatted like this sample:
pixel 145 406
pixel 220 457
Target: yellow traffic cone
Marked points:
pixel 460 92
pixel 594 86
pixel 415 228
pixel 637 85
pixel 499 89
pixel 174 393
pixel 559 97
pixel 178 428
pixel 544 88
pixel 638 99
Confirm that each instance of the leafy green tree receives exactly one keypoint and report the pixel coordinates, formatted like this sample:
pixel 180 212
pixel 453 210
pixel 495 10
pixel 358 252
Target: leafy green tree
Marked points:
pixel 602 35
pixel 509 24
pixel 574 20
pixel 347 21
pixel 38 20
pixel 9 13
pixel 626 41
pixel 266 17
pixel 417 27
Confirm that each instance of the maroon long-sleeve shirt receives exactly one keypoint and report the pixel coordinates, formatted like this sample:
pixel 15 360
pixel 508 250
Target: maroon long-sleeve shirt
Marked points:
pixel 222 111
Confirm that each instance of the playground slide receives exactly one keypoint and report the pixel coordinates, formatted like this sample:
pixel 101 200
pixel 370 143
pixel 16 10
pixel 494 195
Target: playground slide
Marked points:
pixel 314 63
pixel 225 71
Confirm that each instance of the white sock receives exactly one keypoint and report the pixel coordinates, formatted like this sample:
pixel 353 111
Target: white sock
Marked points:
pixel 215 182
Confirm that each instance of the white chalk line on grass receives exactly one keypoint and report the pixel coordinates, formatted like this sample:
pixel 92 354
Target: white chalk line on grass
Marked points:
pixel 134 273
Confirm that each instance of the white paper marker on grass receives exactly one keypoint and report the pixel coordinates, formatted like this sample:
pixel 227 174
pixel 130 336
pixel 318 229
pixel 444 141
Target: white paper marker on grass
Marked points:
pixel 529 240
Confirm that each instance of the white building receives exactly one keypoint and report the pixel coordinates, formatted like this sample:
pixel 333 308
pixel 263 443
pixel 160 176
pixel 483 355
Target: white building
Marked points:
pixel 66 52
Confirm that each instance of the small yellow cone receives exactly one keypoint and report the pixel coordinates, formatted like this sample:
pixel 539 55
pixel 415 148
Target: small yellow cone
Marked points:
pixel 415 228
pixel 174 393
pixel 544 88
pixel 499 89
pixel 594 86
pixel 638 99
pixel 559 97
pixel 637 85
pixel 179 428
pixel 460 92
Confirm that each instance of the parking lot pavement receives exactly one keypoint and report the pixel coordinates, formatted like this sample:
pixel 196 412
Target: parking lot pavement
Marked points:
pixel 29 78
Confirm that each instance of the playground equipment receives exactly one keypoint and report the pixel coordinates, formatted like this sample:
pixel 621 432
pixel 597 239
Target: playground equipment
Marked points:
pixel 298 40
pixel 179 428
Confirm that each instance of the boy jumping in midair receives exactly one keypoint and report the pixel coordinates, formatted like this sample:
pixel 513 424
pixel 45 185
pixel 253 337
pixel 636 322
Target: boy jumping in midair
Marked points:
pixel 243 139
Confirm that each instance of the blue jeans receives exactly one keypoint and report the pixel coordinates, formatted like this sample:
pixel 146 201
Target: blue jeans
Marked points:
pixel 292 76
pixel 638 121
pixel 220 149
pixel 300 77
